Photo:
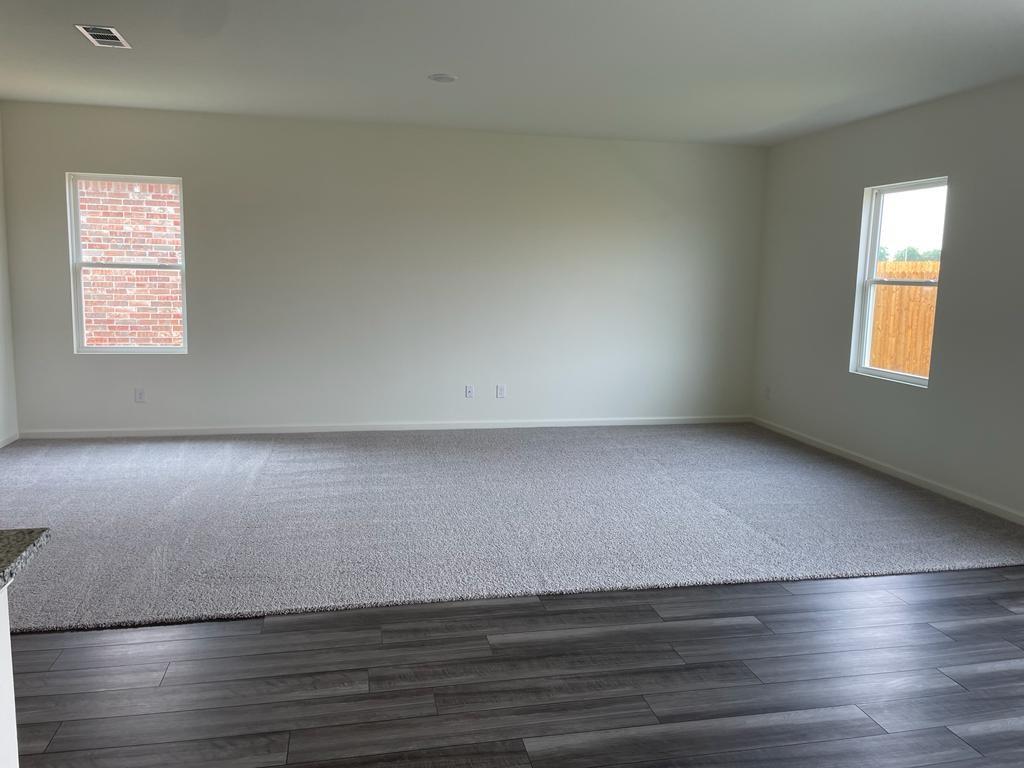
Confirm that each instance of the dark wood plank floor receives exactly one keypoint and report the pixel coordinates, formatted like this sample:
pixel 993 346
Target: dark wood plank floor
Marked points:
pixel 892 672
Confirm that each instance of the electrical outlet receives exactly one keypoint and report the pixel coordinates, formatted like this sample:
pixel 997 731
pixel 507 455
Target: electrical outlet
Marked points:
pixel 470 391
pixel 140 395
pixel 499 391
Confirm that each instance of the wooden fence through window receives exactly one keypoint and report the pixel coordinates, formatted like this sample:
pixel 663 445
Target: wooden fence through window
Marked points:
pixel 903 319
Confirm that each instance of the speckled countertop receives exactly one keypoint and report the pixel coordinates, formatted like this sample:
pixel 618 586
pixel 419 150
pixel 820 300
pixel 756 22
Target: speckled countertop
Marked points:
pixel 17 545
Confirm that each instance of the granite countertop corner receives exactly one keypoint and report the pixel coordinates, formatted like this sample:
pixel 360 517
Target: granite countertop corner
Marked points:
pixel 17 545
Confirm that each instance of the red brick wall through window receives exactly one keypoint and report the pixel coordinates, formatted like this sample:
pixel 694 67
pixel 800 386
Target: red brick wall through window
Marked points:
pixel 137 223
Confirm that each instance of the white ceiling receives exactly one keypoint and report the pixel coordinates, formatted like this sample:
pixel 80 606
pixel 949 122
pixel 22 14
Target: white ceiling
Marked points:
pixel 752 71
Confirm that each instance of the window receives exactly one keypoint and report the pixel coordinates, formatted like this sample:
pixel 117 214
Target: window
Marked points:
pixel 901 251
pixel 127 263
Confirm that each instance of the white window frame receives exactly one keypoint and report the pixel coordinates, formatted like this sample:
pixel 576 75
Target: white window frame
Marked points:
pixel 871 222
pixel 75 249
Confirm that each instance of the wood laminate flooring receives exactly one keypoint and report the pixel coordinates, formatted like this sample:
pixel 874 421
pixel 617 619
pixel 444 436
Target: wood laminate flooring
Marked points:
pixel 890 672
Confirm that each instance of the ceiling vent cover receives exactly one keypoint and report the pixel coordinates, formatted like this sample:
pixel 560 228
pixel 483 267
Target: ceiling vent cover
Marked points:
pixel 104 37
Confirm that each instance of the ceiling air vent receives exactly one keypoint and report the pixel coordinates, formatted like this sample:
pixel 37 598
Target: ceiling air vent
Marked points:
pixel 104 37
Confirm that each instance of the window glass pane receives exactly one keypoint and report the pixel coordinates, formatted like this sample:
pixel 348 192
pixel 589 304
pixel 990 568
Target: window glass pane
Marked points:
pixel 131 307
pixel 129 221
pixel 902 322
pixel 910 232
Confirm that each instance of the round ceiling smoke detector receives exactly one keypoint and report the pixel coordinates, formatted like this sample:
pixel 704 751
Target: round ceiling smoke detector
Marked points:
pixel 442 77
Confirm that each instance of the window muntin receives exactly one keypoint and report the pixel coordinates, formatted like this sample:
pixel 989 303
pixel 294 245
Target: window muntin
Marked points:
pixel 128 264
pixel 901 256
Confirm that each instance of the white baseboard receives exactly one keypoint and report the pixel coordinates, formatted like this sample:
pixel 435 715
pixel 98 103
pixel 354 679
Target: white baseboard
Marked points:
pixel 9 439
pixel 382 426
pixel 942 489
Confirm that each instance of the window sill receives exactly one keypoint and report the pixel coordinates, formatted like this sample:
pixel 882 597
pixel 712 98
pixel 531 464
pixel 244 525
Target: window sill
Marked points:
pixel 900 378
pixel 132 351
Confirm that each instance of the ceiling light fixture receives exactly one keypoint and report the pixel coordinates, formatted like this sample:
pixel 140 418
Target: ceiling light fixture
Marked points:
pixel 442 77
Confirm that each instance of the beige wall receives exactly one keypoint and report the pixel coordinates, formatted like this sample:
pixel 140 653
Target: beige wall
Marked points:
pixel 346 274
pixel 964 432
pixel 8 402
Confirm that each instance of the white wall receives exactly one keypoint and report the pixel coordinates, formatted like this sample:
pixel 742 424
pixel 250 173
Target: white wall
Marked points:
pixel 965 431
pixel 8 402
pixel 343 274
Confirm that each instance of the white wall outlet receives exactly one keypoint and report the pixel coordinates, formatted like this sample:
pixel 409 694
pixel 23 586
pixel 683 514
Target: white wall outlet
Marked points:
pixel 499 391
pixel 140 395
pixel 470 391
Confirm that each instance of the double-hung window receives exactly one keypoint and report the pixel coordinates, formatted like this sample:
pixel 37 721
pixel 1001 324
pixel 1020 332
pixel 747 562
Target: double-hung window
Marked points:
pixel 127 263
pixel 901 252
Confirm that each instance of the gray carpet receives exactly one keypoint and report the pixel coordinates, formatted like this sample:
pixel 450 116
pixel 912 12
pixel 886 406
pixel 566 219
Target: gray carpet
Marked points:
pixel 173 529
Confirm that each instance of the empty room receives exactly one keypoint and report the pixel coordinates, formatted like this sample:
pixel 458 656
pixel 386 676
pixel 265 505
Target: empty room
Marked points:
pixel 511 383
